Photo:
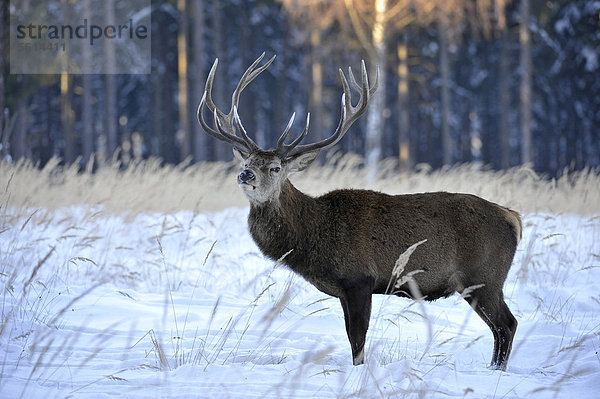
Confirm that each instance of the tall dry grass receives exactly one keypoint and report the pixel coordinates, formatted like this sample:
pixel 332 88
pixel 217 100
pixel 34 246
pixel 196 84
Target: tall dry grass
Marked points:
pixel 150 186
pixel 29 304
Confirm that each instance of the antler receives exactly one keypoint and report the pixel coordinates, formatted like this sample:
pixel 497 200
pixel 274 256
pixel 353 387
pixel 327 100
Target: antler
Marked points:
pixel 223 124
pixel 349 114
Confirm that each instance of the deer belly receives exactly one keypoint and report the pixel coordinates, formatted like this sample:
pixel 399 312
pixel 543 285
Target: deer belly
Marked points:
pixel 325 284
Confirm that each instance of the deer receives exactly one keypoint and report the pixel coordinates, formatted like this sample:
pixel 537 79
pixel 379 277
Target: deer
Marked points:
pixel 346 242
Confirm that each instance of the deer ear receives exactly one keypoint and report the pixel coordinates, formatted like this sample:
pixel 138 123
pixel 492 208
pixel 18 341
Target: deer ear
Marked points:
pixel 302 161
pixel 239 155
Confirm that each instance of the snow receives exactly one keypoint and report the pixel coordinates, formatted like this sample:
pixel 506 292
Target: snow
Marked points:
pixel 591 58
pixel 98 305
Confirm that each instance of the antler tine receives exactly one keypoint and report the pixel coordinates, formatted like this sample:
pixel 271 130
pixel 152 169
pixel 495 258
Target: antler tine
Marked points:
pixel 284 149
pixel 238 121
pixel 347 96
pixel 219 132
pixel 208 89
pixel 281 141
pixel 302 135
pixel 228 137
pixel 203 123
pixel 349 113
pixel 373 89
pixel 355 84
pixel 249 75
pixel 224 124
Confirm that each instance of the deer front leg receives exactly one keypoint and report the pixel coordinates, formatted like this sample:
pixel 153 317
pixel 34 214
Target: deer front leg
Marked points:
pixel 356 303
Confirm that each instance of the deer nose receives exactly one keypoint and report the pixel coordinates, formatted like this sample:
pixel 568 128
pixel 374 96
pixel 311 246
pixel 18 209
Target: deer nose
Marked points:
pixel 246 176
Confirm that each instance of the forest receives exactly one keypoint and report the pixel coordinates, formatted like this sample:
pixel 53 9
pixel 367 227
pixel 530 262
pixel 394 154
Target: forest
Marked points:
pixel 127 266
pixel 496 82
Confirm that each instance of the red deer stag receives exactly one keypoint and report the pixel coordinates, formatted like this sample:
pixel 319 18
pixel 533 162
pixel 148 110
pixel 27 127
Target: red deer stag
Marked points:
pixel 346 242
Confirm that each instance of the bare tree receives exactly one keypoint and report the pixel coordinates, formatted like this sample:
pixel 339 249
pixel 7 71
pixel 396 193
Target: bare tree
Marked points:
pixel 3 44
pixel 110 121
pixel 403 104
pixel 525 91
pixel 313 18
pixel 221 152
pixel 370 20
pixel 504 91
pixel 87 138
pixel 67 117
pixel 183 134
pixel 200 139
pixel 19 146
pixel 447 140
pixel 66 109
pixel 450 14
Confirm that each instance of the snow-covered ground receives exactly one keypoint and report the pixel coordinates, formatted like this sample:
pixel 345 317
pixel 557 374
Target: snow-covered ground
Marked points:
pixel 184 305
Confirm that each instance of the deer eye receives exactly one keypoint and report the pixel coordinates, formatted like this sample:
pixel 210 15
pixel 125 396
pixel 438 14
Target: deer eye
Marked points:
pixel 275 169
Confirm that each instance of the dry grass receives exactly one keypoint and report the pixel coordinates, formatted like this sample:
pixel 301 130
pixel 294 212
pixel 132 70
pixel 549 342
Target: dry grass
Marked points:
pixel 152 187
pixel 31 282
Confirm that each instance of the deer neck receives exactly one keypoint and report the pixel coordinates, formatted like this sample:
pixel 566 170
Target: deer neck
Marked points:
pixel 283 223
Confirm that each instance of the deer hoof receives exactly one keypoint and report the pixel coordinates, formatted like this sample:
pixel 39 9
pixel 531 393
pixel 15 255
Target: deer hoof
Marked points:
pixel 359 358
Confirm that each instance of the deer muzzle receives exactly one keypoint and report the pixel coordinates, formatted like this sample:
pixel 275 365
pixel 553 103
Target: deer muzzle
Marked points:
pixel 246 177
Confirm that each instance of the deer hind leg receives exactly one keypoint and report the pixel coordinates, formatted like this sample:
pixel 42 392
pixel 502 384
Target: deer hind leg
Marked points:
pixel 356 303
pixel 507 326
pixel 496 314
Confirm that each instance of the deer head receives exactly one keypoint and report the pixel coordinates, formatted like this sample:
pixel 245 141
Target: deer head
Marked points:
pixel 265 171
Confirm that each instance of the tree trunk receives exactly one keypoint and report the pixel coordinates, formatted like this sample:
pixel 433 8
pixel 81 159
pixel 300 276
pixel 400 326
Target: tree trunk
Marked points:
pixel 183 135
pixel 403 106
pixel 66 109
pixel 67 114
pixel 504 90
pixel 18 139
pixel 3 25
pixel 281 110
pixel 158 125
pixel 200 137
pixel 88 119
pixel 475 136
pixel 251 109
pixel 525 92
pixel 222 151
pixel 168 111
pixel 447 144
pixel 164 80
pixel 316 94
pixel 110 87
pixel 87 139
pixel 375 121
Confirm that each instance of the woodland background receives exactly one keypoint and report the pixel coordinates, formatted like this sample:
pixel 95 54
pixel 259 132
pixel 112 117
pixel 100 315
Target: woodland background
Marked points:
pixel 498 82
